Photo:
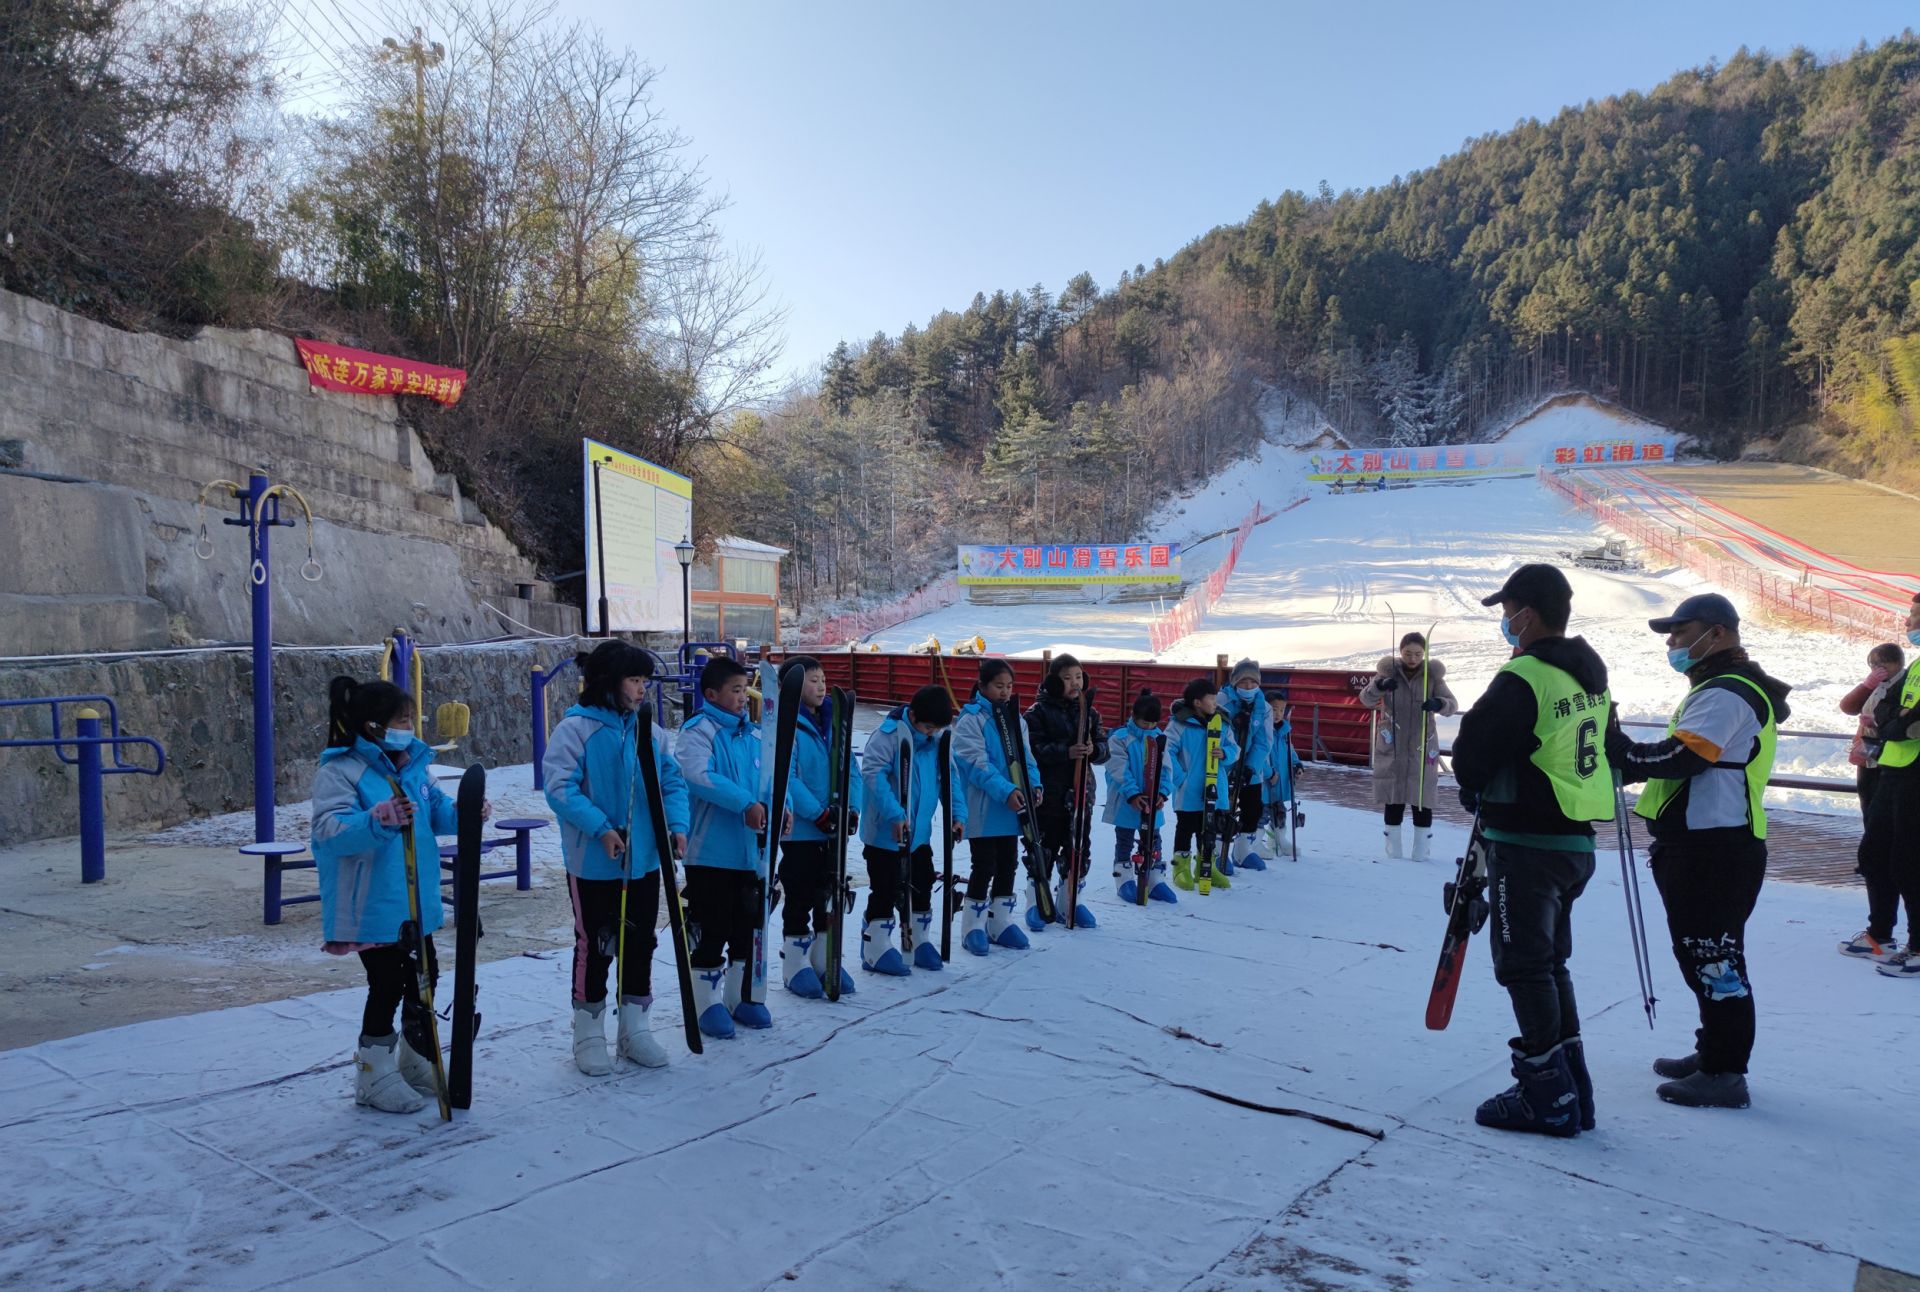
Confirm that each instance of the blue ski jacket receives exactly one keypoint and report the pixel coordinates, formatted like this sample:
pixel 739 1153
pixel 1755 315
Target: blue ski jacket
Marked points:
pixel 1282 763
pixel 1259 723
pixel 981 764
pixel 807 778
pixel 1187 747
pixel 719 755
pixel 880 770
pixel 362 864
pixel 592 766
pixel 1130 748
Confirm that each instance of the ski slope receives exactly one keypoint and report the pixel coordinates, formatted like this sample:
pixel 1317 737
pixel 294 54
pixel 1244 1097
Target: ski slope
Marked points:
pixel 1335 581
pixel 1117 1108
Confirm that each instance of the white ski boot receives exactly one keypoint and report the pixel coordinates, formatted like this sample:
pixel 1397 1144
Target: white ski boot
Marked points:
pixel 417 1068
pixel 817 955
pixel 1395 846
pixel 1003 924
pixel 747 1013
pixel 636 1033
pixel 877 952
pixel 1422 843
pixel 1082 917
pixel 377 1081
pixel 796 964
pixel 973 926
pixel 926 952
pixel 710 1002
pixel 590 1039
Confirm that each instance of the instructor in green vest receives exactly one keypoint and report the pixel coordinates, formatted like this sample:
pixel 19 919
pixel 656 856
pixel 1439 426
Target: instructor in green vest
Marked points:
pixel 1709 853
pixel 1891 845
pixel 1532 766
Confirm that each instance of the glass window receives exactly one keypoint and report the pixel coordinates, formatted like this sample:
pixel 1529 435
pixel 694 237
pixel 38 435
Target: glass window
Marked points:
pixel 703 576
pixel 706 623
pixel 755 623
pixel 751 574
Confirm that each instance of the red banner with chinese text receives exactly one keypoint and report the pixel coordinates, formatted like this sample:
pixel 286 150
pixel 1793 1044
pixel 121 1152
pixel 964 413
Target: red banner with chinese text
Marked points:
pixel 361 372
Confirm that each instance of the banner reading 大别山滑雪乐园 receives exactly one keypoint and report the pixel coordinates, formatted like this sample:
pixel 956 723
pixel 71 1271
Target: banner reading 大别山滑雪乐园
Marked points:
pixel 361 372
pixel 1360 466
pixel 1011 564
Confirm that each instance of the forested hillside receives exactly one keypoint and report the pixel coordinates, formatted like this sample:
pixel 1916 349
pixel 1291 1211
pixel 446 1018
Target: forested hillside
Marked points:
pixel 1732 253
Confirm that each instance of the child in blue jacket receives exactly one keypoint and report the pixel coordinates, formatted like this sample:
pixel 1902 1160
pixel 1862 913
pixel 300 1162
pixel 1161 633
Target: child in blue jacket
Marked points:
pixel 901 768
pixel 1283 765
pixel 807 855
pixel 372 790
pixel 595 788
pixel 1244 706
pixel 1187 737
pixel 993 809
pixel 1134 749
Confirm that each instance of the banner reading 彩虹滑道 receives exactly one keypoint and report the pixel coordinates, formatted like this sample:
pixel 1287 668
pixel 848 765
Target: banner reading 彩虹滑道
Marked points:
pixel 1012 564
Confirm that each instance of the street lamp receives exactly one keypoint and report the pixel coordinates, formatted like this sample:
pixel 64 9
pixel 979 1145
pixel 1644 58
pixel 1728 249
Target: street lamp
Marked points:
pixel 684 551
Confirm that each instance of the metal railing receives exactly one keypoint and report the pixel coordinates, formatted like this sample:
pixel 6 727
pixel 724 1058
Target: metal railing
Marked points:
pixel 87 742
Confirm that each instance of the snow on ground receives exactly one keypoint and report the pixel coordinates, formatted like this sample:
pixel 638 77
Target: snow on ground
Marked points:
pixel 1334 581
pixel 1054 1118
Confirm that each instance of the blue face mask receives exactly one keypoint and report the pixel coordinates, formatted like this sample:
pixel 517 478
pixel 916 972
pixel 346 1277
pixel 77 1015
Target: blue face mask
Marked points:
pixel 1913 635
pixel 1680 658
pixel 1506 631
pixel 395 741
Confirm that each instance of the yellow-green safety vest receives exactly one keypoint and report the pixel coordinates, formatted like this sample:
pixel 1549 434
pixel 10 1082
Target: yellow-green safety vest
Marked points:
pixel 1568 722
pixel 1901 753
pixel 1660 790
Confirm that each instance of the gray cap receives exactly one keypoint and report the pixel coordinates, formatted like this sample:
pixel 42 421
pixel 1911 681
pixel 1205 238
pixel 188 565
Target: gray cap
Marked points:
pixel 1703 608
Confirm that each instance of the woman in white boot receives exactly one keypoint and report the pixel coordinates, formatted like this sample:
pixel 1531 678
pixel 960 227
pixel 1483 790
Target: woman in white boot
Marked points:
pixel 596 789
pixel 359 832
pixel 1407 693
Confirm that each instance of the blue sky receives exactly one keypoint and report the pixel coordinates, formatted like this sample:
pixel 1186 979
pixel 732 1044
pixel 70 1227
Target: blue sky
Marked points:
pixel 889 159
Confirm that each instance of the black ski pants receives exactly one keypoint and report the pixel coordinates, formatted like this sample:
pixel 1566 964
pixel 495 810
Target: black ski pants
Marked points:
pixel 1186 828
pixel 806 886
pixel 1394 813
pixel 883 879
pixel 1709 881
pixel 1889 854
pixel 995 859
pixel 392 984
pixel 1253 809
pixel 1054 817
pixel 1532 892
pixel 724 907
pixel 596 936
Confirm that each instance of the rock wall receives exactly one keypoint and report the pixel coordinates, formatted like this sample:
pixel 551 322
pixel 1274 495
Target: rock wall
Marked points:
pixel 106 441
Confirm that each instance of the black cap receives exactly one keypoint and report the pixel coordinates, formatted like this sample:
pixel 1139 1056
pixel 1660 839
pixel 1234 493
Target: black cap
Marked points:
pixel 1541 587
pixel 1706 608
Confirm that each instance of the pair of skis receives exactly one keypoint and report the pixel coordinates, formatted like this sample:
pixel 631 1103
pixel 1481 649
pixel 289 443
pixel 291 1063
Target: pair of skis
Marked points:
pixel 452 1076
pixel 1013 743
pixel 1147 851
pixel 1080 821
pixel 777 732
pixel 1209 813
pixel 839 802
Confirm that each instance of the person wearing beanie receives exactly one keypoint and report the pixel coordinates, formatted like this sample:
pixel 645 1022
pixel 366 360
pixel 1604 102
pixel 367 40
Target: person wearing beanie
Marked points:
pixel 1139 757
pixel 994 806
pixel 1407 693
pixel 1059 742
pixel 1702 803
pixel 1244 706
pixel 901 770
pixel 1532 766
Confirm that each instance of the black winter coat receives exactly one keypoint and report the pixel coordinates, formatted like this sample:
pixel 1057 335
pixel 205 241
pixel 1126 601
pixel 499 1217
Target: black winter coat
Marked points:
pixel 1051 721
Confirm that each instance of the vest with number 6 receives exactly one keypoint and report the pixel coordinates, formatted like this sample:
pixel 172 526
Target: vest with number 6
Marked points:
pixel 1568 722
pixel 1902 753
pixel 1661 790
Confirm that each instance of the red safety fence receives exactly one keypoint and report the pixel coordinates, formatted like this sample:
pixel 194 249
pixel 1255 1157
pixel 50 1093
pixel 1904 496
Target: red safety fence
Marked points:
pixel 1169 628
pixel 1789 597
pixel 1329 724
pixel 841 629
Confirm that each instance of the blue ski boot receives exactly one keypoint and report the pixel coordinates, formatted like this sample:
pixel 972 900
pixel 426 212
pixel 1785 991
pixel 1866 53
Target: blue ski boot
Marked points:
pixel 1542 1099
pixel 1003 924
pixel 973 926
pixel 877 952
pixel 796 963
pixel 926 952
pixel 818 957
pixel 747 1013
pixel 709 1003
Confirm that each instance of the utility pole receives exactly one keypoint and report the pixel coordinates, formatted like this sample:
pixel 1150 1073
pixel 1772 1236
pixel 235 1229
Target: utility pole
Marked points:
pixel 422 55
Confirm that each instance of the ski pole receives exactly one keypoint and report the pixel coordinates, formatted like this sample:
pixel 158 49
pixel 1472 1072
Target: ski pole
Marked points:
pixel 1630 884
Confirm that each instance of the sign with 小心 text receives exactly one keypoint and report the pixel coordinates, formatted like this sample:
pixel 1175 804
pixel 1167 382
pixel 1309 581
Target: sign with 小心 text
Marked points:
pixel 361 372
pixel 1068 563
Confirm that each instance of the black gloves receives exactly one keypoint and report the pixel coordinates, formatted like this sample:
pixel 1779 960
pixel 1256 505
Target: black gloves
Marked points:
pixel 1434 705
pixel 1387 683
pixel 1469 800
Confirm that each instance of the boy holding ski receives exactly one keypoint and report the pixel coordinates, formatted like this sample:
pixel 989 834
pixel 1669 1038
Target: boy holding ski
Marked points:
pixel 994 808
pixel 594 788
pixel 1280 786
pixel 1202 750
pixel 1067 743
pixel 719 752
pixel 900 769
pixel 1244 706
pixel 1136 791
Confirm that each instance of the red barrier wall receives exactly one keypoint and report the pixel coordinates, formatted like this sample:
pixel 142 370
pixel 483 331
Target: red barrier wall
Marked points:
pixel 1328 722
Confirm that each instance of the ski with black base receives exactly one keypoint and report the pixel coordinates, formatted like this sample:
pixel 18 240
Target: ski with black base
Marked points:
pixel 945 756
pixel 1013 743
pixel 1209 812
pixel 1465 898
pixel 786 718
pixel 1079 820
pixel 468 805
pixel 1153 749
pixel 413 942
pixel 669 885
pixel 839 775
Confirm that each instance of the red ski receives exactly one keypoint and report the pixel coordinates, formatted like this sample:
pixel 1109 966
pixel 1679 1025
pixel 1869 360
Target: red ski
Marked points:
pixel 1465 898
